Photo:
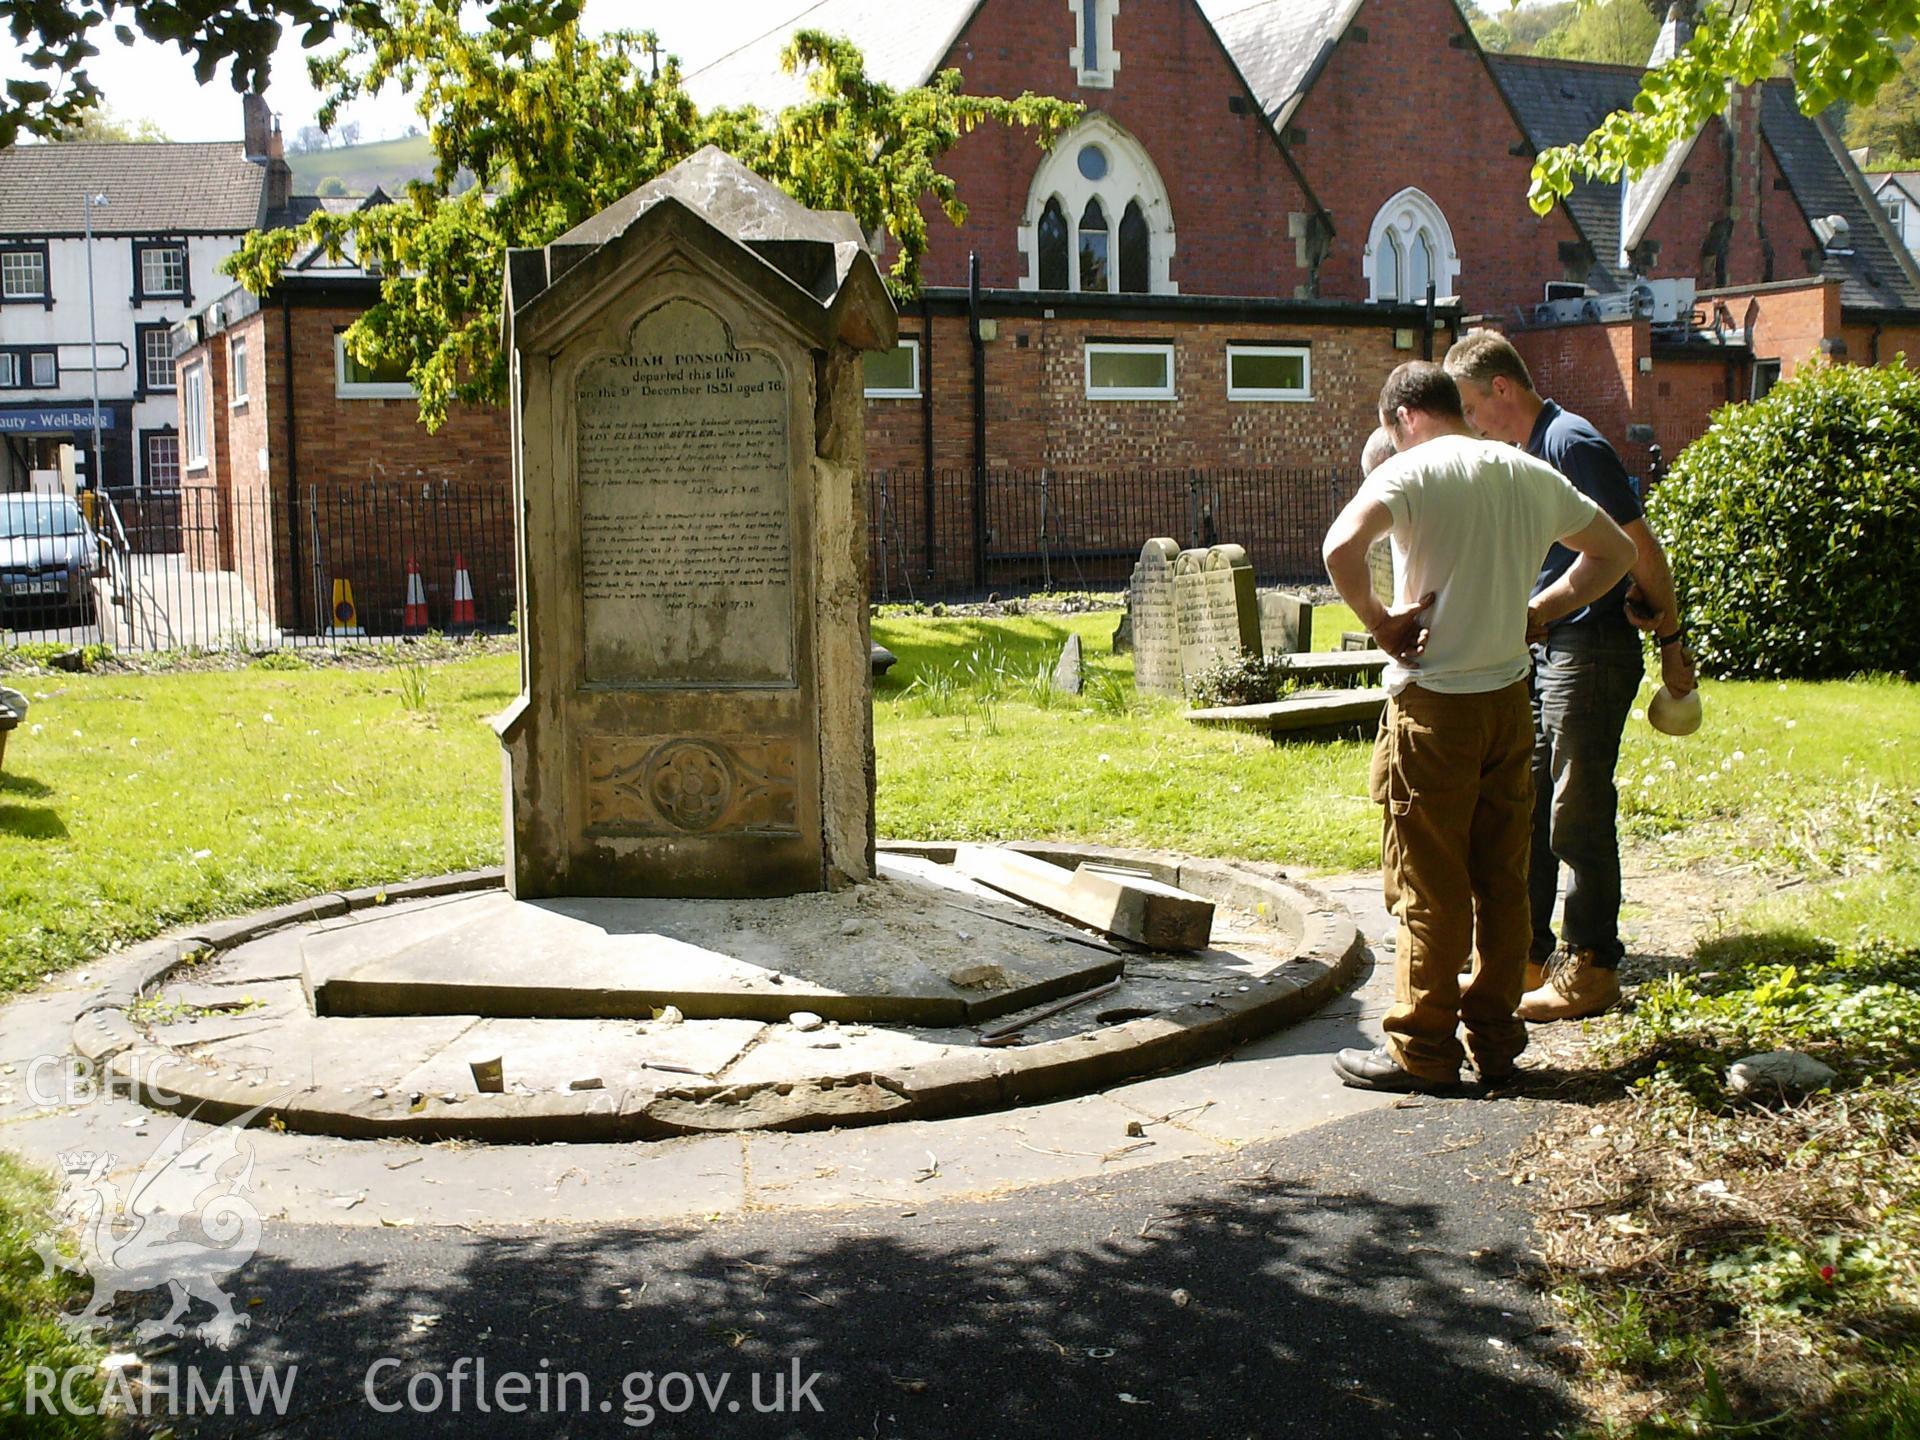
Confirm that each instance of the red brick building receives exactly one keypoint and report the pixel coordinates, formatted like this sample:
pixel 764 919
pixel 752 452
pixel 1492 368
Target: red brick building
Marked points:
pixel 1297 174
pixel 300 467
pixel 1175 319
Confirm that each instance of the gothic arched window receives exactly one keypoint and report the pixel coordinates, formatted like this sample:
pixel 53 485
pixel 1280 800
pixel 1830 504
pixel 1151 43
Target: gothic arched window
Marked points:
pixel 1422 271
pixel 1053 248
pixel 1386 268
pixel 1411 247
pixel 1097 216
pixel 1093 247
pixel 1135 252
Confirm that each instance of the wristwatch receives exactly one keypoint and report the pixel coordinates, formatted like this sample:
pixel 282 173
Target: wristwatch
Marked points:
pixel 1663 641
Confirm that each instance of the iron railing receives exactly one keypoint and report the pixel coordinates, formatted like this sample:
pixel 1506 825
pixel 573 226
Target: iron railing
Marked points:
pixel 196 567
pixel 964 534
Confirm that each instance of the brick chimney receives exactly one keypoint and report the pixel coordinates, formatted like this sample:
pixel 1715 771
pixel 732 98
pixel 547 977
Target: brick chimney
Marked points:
pixel 258 126
pixel 279 173
pixel 1750 252
pixel 1673 37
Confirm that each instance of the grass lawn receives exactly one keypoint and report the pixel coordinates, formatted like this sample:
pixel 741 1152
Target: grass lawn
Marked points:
pixel 29 1300
pixel 131 803
pixel 135 802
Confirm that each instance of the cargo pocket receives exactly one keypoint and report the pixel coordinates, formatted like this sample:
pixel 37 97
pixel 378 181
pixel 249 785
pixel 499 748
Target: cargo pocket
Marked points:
pixel 1388 779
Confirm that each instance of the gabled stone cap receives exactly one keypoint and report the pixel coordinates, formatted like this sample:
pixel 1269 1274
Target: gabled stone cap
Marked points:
pixel 813 248
pixel 821 253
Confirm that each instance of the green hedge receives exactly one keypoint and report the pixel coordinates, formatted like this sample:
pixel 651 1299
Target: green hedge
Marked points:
pixel 1793 527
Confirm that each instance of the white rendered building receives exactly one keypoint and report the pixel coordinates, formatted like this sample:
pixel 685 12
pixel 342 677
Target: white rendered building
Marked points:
pixel 172 213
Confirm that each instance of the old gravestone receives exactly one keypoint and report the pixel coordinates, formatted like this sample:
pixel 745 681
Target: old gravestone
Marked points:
pixel 1380 569
pixel 1215 607
pixel 1155 634
pixel 1286 622
pixel 1068 676
pixel 695 713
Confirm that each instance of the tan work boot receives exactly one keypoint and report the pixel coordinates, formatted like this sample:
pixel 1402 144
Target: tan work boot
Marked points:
pixel 1575 988
pixel 1536 975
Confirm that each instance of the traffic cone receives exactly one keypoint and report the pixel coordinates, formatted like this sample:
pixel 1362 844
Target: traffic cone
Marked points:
pixel 346 619
pixel 414 616
pixel 463 617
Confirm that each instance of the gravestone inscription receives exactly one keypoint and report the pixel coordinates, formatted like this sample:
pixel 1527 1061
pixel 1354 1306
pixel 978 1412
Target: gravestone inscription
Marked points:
pixel 686 547
pixel 1286 622
pixel 1155 632
pixel 1215 607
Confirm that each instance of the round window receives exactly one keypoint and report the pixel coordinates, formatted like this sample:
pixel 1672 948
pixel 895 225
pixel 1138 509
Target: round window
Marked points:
pixel 1093 162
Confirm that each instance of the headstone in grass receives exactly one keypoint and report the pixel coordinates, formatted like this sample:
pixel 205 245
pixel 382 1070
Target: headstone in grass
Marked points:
pixel 1380 569
pixel 695 715
pixel 1155 632
pixel 1067 675
pixel 1215 607
pixel 1286 622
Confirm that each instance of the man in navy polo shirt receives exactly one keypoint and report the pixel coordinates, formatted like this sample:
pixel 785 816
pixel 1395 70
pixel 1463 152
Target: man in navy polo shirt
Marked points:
pixel 1587 670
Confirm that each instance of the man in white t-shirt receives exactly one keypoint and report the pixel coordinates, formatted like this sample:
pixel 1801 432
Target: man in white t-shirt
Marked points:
pixel 1470 521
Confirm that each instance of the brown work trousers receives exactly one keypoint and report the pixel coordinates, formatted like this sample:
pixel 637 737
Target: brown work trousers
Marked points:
pixel 1454 773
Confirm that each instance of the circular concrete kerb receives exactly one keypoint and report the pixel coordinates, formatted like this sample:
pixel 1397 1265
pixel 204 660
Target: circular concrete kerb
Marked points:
pixel 445 1009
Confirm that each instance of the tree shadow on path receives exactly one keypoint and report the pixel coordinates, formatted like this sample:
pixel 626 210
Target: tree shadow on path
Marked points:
pixel 1364 1278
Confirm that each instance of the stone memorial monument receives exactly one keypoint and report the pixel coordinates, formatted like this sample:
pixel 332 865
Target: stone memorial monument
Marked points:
pixel 1214 606
pixel 695 708
pixel 1154 635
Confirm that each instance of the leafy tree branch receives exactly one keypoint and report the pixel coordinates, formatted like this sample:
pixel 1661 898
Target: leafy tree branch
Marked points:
pixel 554 125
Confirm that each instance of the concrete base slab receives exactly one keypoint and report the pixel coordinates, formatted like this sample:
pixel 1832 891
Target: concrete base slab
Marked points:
pixel 248 1053
pixel 894 950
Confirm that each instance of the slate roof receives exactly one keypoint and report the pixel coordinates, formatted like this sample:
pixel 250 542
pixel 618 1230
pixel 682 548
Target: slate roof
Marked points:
pixel 1879 274
pixel 1560 101
pixel 903 41
pixel 1280 45
pixel 150 189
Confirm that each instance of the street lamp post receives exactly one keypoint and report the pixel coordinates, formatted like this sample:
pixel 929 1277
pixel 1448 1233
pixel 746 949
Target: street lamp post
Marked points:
pixel 96 465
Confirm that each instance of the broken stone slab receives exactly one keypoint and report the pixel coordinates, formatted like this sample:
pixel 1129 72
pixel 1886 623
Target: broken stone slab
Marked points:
pixel 1778 1074
pixel 1305 712
pixel 1130 906
pixel 1348 665
pixel 600 958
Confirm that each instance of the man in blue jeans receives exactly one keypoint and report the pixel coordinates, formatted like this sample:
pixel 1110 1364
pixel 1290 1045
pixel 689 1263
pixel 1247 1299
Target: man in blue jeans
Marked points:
pixel 1587 668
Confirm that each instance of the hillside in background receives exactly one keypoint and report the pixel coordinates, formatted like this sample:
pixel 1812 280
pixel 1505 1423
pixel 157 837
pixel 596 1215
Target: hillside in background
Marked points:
pixel 387 164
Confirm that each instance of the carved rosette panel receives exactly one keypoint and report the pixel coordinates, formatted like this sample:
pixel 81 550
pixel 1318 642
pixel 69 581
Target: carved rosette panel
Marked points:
pixel 681 785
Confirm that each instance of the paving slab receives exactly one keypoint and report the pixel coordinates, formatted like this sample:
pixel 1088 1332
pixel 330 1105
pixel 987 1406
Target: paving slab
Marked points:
pixel 786 1053
pixel 1278 1085
pixel 548 1055
pixel 304 1050
pixel 307 1179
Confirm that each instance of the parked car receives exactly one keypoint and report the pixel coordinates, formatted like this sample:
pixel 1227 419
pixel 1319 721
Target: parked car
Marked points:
pixel 48 555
